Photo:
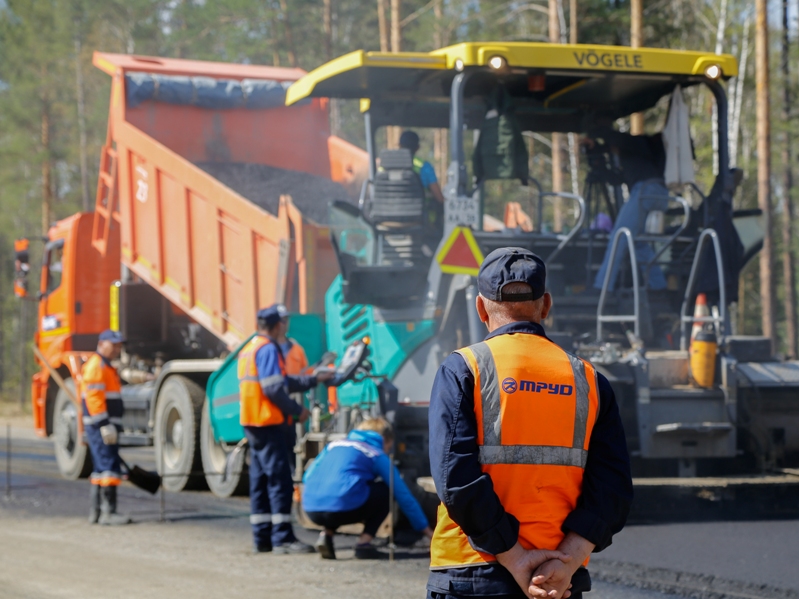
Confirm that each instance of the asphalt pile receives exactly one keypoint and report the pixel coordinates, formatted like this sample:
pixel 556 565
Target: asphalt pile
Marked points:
pixel 263 185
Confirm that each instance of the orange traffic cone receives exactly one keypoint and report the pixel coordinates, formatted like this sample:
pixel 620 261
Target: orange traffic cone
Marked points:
pixel 700 309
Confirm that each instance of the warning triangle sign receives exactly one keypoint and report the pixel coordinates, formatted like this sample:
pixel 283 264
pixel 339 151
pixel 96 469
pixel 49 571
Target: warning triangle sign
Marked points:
pixel 460 254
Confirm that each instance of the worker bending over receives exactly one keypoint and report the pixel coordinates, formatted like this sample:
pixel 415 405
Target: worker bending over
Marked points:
pixel 264 391
pixel 101 406
pixel 527 451
pixel 342 487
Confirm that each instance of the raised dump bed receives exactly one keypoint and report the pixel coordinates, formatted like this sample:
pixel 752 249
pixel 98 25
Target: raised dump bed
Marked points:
pixel 197 159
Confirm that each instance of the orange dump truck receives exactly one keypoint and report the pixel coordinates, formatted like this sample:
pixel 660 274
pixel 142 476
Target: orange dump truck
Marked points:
pixel 211 202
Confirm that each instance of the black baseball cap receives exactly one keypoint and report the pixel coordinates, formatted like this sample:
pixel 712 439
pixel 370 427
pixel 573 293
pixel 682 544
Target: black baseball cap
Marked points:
pixel 112 336
pixel 511 265
pixel 272 315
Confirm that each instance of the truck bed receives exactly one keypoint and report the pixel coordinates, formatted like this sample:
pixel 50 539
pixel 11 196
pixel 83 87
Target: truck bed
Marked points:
pixel 193 178
pixel 263 185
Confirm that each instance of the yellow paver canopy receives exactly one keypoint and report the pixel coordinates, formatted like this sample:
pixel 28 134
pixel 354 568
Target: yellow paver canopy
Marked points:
pixel 553 87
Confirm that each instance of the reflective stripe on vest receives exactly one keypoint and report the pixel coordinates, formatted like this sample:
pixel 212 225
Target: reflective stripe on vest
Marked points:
pixel 256 408
pixel 100 399
pixel 535 407
pixel 493 452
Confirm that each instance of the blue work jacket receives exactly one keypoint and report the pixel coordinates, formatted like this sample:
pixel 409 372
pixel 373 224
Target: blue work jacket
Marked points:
pixel 338 480
pixel 277 389
pixel 468 493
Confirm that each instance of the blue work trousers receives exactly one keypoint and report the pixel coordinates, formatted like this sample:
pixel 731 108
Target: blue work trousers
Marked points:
pixel 105 458
pixel 271 487
pixel 645 196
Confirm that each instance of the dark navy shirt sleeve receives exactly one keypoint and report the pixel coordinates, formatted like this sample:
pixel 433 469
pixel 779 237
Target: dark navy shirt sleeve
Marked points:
pixel 607 493
pixel 301 383
pixel 274 384
pixel 465 490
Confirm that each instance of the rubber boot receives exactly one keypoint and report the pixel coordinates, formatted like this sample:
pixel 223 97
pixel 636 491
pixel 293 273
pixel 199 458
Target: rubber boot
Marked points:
pixel 108 508
pixel 94 502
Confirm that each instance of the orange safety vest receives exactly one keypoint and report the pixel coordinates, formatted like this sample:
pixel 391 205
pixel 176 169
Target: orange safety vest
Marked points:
pixel 296 360
pixel 536 406
pixel 256 408
pixel 100 391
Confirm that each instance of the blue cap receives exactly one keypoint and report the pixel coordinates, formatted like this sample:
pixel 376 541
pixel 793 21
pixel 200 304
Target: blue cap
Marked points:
pixel 272 315
pixel 511 265
pixel 112 336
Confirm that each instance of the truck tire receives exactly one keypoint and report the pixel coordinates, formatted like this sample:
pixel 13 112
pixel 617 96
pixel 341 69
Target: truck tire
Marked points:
pixel 71 453
pixel 214 458
pixel 177 433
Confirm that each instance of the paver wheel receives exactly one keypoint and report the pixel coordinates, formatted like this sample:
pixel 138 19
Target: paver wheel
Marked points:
pixel 177 433
pixel 214 459
pixel 71 454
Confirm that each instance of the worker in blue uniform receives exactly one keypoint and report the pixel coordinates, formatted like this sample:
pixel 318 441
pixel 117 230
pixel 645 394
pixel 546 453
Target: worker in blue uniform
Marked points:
pixel 496 537
pixel 348 483
pixel 264 389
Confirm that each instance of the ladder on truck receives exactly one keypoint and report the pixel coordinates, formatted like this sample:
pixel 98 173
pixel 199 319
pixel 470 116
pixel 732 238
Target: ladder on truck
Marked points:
pixel 106 206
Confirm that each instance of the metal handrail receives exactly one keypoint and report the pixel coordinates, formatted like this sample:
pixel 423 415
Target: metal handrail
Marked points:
pixel 362 197
pixel 539 212
pixel 689 290
pixel 577 226
pixel 635 316
pixel 686 208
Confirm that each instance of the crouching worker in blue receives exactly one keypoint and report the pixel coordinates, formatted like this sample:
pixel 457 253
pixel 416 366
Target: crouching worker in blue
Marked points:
pixel 264 391
pixel 101 405
pixel 348 484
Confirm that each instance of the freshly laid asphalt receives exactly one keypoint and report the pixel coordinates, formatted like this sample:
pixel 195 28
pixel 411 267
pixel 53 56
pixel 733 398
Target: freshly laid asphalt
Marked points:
pixel 46 548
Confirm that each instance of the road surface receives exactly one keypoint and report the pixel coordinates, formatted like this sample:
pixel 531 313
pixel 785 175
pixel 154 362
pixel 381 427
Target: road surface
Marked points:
pixel 203 549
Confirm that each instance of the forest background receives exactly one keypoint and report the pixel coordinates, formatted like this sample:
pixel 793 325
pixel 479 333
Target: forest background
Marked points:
pixel 53 102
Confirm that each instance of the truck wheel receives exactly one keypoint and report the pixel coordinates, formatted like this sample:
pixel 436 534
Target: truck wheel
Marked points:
pixel 71 454
pixel 214 458
pixel 177 433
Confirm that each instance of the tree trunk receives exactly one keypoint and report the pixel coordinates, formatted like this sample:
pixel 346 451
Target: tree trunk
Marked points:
pixel 440 138
pixel 327 21
pixel 292 54
pixel 735 121
pixel 393 133
pixel 47 190
pixel 382 25
pixel 789 273
pixel 720 29
pixel 767 303
pixel 396 26
pixel 573 26
pixel 557 141
pixel 636 41
pixel 574 157
pixel 84 159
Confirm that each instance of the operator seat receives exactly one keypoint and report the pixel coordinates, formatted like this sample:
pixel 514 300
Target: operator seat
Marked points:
pixel 397 194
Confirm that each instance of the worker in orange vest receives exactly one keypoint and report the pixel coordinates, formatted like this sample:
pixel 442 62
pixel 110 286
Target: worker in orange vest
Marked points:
pixel 530 459
pixel 101 406
pixel 296 364
pixel 264 388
